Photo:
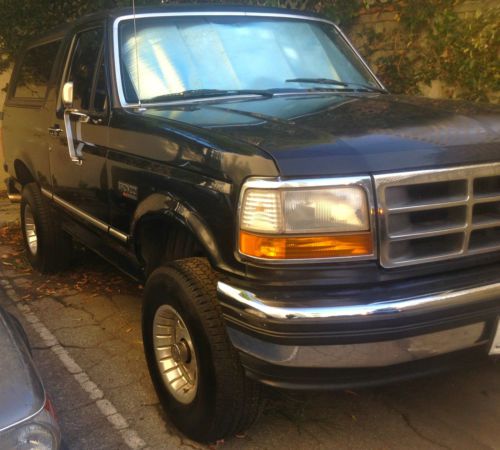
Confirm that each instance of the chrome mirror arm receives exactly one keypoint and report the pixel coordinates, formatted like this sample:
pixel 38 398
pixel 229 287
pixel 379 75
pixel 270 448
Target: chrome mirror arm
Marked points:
pixel 82 117
pixel 74 153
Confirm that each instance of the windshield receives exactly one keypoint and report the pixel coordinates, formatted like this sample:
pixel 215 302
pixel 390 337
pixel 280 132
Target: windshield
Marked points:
pixel 179 54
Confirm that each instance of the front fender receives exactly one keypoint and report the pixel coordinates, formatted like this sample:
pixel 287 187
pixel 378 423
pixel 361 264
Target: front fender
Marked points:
pixel 165 204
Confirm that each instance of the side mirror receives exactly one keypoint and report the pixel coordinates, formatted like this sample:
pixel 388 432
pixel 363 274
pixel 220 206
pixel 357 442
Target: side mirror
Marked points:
pixel 67 94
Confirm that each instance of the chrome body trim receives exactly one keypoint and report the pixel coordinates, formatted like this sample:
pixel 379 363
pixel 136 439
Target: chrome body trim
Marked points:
pixel 83 215
pixel 47 193
pixel 361 355
pixel 466 174
pixel 14 197
pixel 247 302
pixel 118 234
pixel 275 183
pixel 116 48
pixel 495 344
pixel 103 226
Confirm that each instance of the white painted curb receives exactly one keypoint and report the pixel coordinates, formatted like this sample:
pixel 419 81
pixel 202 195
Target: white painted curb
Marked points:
pixel 119 423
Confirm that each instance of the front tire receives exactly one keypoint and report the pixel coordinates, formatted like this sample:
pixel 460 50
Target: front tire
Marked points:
pixel 194 367
pixel 48 248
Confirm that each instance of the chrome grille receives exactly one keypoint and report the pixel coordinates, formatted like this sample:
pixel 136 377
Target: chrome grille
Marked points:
pixel 440 214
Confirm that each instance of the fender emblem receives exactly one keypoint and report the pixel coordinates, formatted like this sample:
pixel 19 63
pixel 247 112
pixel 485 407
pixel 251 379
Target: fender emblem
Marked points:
pixel 128 190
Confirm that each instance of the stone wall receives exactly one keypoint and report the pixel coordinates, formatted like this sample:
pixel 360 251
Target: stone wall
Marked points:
pixel 384 20
pixel 4 79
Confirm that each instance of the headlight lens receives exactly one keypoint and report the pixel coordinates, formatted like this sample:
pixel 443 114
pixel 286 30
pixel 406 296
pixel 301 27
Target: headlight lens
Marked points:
pixel 325 210
pixel 39 433
pixel 35 437
pixel 262 211
pixel 301 223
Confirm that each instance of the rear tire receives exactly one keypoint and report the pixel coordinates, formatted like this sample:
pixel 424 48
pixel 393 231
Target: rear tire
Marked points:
pixel 221 401
pixel 48 247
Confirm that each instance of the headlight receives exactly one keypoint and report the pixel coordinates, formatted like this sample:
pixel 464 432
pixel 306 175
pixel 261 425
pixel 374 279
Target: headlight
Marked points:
pixel 38 433
pixel 35 437
pixel 292 220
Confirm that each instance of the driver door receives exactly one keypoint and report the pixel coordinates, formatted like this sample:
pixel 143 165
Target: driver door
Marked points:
pixel 80 133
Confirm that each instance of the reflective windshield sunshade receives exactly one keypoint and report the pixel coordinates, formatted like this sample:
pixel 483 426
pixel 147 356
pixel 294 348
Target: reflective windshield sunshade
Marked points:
pixel 175 54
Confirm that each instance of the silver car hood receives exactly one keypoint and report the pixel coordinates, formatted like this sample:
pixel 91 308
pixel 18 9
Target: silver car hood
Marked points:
pixel 21 391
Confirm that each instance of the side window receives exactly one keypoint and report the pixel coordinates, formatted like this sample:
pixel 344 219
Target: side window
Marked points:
pixel 34 73
pixel 83 65
pixel 100 96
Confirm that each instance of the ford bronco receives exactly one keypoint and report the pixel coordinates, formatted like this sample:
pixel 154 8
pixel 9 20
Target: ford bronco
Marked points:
pixel 295 224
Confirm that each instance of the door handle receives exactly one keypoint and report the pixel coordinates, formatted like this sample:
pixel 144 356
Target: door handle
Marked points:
pixel 55 130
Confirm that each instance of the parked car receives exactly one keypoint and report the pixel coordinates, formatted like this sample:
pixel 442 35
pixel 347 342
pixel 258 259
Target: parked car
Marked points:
pixel 296 224
pixel 27 419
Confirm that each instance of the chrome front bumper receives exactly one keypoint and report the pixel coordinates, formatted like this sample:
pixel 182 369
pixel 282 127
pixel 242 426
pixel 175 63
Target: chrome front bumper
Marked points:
pixel 372 350
pixel 251 304
pixel 361 355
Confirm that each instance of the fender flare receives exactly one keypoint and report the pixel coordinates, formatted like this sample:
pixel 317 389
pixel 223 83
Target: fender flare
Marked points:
pixel 164 204
pixel 23 172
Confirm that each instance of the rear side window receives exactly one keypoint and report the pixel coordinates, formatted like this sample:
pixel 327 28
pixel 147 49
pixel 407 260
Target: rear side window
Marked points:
pixel 35 70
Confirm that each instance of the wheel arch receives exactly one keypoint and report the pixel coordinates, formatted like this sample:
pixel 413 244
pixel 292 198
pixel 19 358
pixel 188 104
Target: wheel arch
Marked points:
pixel 164 211
pixel 23 174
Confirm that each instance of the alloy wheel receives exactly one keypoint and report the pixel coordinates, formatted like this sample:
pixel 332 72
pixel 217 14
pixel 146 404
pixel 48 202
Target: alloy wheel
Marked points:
pixel 175 354
pixel 30 230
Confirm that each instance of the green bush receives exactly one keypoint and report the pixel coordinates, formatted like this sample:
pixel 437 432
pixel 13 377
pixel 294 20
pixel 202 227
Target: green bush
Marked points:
pixel 434 42
pixel 431 42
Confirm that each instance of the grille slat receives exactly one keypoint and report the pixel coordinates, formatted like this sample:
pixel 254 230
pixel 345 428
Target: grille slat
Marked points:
pixel 426 206
pixel 424 234
pixel 489 224
pixel 486 198
pixel 440 214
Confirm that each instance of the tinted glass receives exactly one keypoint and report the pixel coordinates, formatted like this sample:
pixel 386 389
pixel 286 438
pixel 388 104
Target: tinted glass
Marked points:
pixel 83 66
pixel 35 70
pixel 176 54
pixel 101 97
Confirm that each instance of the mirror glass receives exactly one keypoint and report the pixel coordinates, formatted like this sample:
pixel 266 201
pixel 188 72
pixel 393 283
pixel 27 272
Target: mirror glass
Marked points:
pixel 67 94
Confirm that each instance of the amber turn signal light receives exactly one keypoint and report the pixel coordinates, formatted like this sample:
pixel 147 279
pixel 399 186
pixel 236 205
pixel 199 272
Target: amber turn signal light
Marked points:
pixel 299 247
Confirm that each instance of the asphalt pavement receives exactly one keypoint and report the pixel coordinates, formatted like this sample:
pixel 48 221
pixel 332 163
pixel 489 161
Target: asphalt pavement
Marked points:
pixel 84 327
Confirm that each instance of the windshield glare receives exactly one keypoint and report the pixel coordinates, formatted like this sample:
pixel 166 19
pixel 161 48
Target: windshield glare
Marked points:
pixel 177 54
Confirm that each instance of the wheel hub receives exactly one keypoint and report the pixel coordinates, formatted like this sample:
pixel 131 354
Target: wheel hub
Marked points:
pixel 175 354
pixel 181 352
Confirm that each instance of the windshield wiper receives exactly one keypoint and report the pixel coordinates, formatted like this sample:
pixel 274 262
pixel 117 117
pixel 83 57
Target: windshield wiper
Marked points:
pixel 204 93
pixel 336 83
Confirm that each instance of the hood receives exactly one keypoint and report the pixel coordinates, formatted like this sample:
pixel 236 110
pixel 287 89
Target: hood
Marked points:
pixel 339 134
pixel 21 391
